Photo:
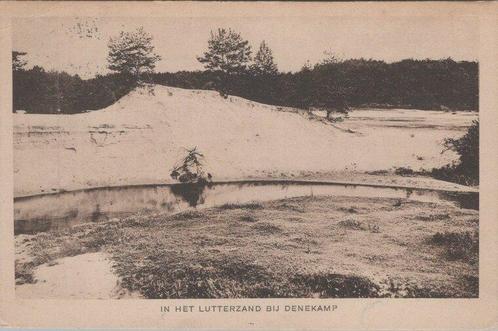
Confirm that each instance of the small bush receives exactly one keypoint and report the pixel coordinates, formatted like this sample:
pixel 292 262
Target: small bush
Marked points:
pixel 191 169
pixel 466 170
pixel 404 171
pixel 193 180
pixel 458 245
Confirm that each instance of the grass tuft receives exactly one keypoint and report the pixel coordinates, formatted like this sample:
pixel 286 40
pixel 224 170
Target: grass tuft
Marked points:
pixel 350 210
pixel 250 205
pixel 433 217
pixel 248 218
pixel 358 225
pixel 187 215
pixel 267 228
pixel 328 285
pixel 351 224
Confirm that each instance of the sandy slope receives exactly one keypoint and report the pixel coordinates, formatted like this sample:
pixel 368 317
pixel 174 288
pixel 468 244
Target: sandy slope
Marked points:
pixel 139 139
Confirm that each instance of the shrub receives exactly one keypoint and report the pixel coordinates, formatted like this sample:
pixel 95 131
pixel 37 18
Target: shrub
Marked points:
pixel 404 171
pixel 466 170
pixel 191 168
pixel 458 245
pixel 193 179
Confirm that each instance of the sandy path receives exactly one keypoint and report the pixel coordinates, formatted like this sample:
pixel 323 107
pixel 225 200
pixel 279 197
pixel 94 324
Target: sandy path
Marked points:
pixel 86 276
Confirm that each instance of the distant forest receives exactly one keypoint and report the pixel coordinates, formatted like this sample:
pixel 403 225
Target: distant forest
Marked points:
pixel 421 84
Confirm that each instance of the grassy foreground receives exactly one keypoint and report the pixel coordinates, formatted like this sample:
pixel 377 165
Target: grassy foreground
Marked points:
pixel 299 247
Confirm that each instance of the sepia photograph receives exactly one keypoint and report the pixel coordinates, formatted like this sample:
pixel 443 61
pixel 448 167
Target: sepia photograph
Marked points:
pixel 249 157
pixel 249 165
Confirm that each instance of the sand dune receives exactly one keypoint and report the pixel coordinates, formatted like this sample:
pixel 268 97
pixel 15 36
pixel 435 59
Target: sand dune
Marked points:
pixel 139 138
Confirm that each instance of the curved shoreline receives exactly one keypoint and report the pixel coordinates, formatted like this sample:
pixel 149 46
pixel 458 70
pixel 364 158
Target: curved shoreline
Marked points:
pixel 255 181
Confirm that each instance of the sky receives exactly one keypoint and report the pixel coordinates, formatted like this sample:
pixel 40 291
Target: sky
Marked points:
pixel 79 45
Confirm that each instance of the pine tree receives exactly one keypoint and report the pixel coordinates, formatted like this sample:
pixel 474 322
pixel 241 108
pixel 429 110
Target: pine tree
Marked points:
pixel 263 61
pixel 227 52
pixel 132 53
pixel 304 86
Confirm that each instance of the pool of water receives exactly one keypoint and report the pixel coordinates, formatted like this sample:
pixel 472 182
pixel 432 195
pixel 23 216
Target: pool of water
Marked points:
pixel 56 211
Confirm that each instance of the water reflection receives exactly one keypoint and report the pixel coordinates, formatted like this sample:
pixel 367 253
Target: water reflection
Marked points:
pixel 46 212
pixel 193 193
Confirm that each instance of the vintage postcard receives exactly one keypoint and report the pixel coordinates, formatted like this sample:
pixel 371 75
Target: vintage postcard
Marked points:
pixel 265 165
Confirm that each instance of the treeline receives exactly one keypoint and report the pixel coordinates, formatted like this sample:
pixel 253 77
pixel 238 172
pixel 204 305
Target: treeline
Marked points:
pixel 421 84
pixel 38 91
pixel 231 67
